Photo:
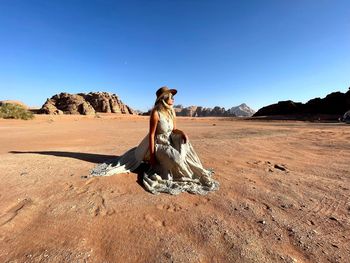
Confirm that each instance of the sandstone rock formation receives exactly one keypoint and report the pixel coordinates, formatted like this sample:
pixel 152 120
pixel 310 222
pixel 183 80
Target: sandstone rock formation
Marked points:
pixel 86 104
pixel 335 103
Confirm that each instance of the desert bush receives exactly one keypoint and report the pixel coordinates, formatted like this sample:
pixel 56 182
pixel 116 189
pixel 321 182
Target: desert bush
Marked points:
pixel 14 111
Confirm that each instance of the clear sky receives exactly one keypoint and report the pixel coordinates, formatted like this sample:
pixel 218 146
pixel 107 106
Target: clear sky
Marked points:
pixel 214 52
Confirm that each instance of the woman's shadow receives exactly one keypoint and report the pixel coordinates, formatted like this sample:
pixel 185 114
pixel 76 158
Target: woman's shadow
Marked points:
pixel 88 157
pixel 92 158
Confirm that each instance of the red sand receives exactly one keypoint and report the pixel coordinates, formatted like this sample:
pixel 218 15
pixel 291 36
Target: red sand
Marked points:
pixel 284 196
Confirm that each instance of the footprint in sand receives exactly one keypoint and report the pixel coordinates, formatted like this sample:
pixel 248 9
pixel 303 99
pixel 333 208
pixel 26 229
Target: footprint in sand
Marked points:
pixel 170 207
pixel 86 187
pixel 13 211
pixel 152 220
pixel 202 201
pixel 270 167
pixel 68 187
pixel 98 205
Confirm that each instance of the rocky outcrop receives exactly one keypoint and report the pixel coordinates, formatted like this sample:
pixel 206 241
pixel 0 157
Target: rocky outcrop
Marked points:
pixel 190 111
pixel 86 104
pixel 346 117
pixel 335 103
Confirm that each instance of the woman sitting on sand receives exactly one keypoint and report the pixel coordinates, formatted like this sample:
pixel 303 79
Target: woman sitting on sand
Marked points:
pixel 174 165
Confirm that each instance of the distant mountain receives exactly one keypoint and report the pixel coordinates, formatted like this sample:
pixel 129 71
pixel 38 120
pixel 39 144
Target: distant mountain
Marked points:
pixel 198 111
pixel 335 103
pixel 242 110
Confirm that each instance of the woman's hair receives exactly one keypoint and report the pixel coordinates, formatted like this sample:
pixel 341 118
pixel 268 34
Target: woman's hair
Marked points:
pixel 162 106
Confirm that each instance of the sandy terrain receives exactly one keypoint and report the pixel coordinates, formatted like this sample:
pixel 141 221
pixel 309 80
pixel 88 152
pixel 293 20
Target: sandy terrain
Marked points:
pixel 284 196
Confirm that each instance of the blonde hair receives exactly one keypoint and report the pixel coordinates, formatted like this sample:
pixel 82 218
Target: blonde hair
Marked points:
pixel 164 107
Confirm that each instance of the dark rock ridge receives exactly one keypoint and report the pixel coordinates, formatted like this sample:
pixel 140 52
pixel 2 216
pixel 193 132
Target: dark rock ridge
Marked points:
pixel 335 103
pixel 86 104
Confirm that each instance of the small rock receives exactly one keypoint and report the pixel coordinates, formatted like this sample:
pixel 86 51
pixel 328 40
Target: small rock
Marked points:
pixel 291 231
pixel 333 218
pixel 280 167
pixel 334 245
pixel 310 222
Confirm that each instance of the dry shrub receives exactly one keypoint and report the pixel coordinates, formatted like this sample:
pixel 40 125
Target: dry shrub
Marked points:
pixel 14 111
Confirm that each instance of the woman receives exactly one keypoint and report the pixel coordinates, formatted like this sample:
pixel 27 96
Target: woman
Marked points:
pixel 174 165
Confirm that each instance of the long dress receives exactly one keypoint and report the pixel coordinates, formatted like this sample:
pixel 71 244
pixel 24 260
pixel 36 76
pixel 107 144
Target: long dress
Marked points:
pixel 178 167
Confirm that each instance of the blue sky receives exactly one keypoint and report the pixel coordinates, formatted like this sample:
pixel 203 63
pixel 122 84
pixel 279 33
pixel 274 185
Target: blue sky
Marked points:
pixel 214 52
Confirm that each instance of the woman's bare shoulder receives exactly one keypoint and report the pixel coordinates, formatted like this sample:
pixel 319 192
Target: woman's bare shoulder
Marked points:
pixel 154 114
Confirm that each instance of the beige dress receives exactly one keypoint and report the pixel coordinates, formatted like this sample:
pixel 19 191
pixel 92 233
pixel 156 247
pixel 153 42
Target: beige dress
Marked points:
pixel 178 167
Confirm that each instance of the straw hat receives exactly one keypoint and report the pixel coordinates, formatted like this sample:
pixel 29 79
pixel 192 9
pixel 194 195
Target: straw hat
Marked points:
pixel 163 91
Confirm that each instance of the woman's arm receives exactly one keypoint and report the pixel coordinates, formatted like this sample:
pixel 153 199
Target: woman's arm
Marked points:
pixel 152 131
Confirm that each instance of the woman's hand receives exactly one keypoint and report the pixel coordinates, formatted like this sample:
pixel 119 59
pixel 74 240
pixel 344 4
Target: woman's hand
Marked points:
pixel 184 137
pixel 153 160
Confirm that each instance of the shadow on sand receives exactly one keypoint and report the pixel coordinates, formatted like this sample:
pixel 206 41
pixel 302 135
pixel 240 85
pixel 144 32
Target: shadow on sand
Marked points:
pixel 92 158
pixel 89 157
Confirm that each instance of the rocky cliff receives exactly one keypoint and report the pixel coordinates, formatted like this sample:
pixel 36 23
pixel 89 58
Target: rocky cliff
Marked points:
pixel 336 103
pixel 86 104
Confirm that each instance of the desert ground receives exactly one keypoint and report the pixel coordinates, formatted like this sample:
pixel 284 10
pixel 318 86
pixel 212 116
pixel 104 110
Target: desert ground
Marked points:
pixel 284 194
